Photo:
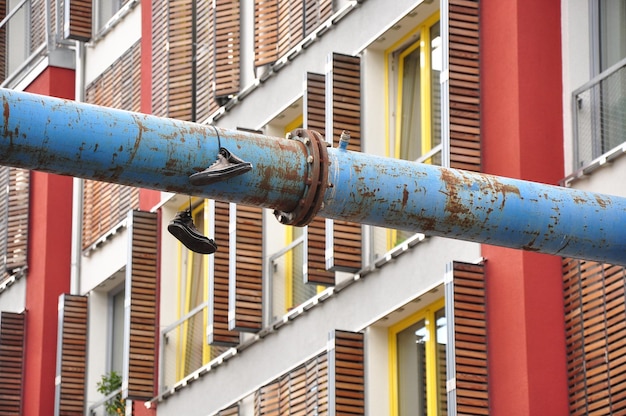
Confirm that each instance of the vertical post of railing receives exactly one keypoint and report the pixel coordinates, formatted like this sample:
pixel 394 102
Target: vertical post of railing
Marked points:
pixel 575 133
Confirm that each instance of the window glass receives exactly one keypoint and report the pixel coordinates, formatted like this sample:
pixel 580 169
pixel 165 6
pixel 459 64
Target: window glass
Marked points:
pixel 441 344
pixel 410 113
pixel 116 303
pixel 418 348
pixel 411 345
pixel 415 96
pixel 612 32
pixel 435 90
pixel 105 11
pixel 193 352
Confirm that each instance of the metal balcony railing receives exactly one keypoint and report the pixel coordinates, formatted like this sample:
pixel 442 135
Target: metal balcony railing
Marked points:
pixel 599 115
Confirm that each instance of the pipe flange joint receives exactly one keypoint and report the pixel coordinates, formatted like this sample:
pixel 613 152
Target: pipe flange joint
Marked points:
pixel 315 179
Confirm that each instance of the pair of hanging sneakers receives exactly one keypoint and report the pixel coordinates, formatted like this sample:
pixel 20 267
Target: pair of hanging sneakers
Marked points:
pixel 182 227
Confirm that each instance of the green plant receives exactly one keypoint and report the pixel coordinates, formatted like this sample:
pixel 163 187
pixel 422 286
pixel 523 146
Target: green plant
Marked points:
pixel 111 382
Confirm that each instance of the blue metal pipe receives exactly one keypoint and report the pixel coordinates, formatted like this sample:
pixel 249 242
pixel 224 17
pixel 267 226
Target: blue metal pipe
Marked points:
pixel 64 137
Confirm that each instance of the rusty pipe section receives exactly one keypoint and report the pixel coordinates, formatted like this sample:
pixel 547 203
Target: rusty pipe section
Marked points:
pixel 299 179
pixel 91 142
pixel 475 207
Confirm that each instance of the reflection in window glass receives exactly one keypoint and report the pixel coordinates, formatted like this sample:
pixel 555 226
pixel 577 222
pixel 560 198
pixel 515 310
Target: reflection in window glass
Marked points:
pixel 117 330
pixel 612 32
pixel 441 336
pixel 435 90
pixel 410 122
pixel 411 350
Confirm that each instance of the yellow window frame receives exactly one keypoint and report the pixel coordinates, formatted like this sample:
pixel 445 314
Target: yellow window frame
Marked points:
pixel 184 309
pixel 428 315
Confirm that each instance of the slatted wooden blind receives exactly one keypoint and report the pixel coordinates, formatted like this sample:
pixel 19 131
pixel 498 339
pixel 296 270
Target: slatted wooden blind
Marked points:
pixel 180 43
pixel 290 24
pixel 141 307
pixel 37 17
pixel 72 355
pixel 265 32
pixel 317 385
pixel 346 371
pixel 219 334
pixel 316 12
pixel 279 25
pixel 106 204
pixel 465 149
pixel 293 389
pixel 160 56
pixel 343 112
pixel 246 269
pixel 301 391
pixel 595 330
pixel 231 411
pixel 227 55
pixel 267 400
pixel 14 192
pixel 11 362
pixel 3 41
pixel 181 89
pixel 78 18
pixel 468 392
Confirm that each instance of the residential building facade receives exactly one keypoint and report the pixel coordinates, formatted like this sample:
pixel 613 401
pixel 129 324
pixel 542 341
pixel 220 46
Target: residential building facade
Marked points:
pixel 98 299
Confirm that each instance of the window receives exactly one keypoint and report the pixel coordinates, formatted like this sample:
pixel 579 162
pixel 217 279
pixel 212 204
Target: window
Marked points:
pixel 417 348
pixel 414 100
pixel 414 64
pixel 193 351
pixel 116 308
pixel 105 9
pixel 599 110
pixel 611 33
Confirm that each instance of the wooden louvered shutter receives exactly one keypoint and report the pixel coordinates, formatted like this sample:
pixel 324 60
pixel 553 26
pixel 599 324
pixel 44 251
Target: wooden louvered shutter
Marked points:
pixel 72 355
pixel 265 32
pixel 343 110
pixel 595 330
pixel 290 24
pixel 227 55
pixel 293 392
pixel 160 56
pixel 267 400
pixel 141 307
pixel 246 268
pixel 14 224
pixel 107 204
pixel 231 411
pixel 78 17
pixel 3 41
pixel 180 76
pixel 315 119
pixel 205 75
pixel 466 354
pixel 317 385
pixel 37 16
pixel 315 12
pixel 218 332
pixel 11 362
pixel 464 85
pixel 346 372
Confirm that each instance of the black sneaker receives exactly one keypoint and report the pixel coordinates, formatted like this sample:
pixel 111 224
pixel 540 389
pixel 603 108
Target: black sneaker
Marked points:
pixel 226 166
pixel 185 231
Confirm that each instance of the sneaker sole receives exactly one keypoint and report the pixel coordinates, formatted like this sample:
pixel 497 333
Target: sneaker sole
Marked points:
pixel 198 244
pixel 206 178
